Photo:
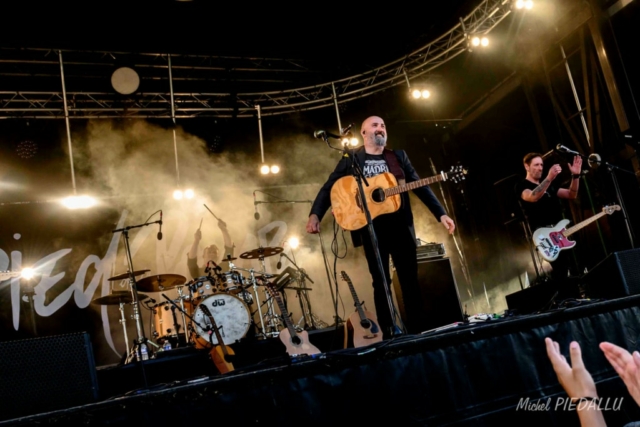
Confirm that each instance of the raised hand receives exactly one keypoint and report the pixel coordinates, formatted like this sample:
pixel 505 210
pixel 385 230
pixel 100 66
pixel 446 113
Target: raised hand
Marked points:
pixel 576 166
pixel 553 172
pixel 574 378
pixel 626 365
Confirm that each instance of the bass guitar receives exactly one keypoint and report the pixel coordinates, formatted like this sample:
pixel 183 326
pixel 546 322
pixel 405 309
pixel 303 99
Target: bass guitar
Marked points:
pixel 550 241
pixel 296 343
pixel 363 323
pixel 382 196
pixel 220 354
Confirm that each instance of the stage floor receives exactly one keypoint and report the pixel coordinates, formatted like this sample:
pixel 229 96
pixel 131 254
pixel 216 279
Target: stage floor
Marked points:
pixel 469 374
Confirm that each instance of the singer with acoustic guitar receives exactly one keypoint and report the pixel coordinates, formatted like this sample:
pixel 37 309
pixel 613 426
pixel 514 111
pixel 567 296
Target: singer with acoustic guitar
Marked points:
pixel 395 231
pixel 540 200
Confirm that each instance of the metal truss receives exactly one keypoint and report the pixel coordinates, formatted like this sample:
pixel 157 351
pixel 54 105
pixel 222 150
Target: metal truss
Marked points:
pixel 209 86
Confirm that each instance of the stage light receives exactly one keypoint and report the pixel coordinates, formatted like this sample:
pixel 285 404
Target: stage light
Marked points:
pixel 528 4
pixel 125 80
pixel 416 93
pixel 484 41
pixel 475 41
pixel 426 94
pixel 189 193
pixel 177 194
pixel 78 202
pixel 264 169
pixel 275 169
pixel 27 273
pixel 354 142
pixel 294 242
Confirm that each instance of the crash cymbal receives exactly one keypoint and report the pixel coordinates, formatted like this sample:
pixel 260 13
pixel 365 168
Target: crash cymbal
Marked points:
pixel 261 253
pixel 160 282
pixel 126 275
pixel 118 298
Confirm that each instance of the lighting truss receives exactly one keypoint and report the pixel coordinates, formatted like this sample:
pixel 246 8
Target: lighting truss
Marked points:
pixel 209 86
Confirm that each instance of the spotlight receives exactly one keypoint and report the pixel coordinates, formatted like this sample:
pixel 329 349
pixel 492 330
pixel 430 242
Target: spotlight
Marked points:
pixel 354 142
pixel 426 94
pixel 519 4
pixel 345 142
pixel 177 194
pixel 125 80
pixel 475 41
pixel 264 169
pixel 294 242
pixel 416 93
pixel 528 4
pixel 27 273
pixel 275 169
pixel 189 193
pixel 78 202
pixel 484 41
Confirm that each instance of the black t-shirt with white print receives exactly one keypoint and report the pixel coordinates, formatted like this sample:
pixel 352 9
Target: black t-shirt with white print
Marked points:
pixel 374 164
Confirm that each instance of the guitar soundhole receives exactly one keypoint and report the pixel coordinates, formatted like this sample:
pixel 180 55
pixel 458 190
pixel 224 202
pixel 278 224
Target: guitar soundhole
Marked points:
pixel 377 195
pixel 296 340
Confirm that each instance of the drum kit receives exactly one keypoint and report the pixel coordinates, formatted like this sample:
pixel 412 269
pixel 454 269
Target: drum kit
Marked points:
pixel 181 321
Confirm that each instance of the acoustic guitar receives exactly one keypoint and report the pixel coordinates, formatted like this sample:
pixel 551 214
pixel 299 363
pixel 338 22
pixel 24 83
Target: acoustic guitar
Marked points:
pixel 296 343
pixel 382 196
pixel 364 324
pixel 220 354
pixel 550 241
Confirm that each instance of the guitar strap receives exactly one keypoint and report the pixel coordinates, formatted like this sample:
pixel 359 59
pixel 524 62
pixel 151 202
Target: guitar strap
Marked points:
pixel 394 167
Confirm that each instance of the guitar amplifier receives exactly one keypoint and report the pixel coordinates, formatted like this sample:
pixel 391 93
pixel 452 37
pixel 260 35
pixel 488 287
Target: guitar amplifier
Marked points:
pixel 430 250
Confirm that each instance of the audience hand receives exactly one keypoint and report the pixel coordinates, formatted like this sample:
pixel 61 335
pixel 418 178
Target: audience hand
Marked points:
pixel 626 365
pixel 575 379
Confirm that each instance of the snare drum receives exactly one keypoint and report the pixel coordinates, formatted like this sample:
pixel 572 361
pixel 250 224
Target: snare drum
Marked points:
pixel 230 314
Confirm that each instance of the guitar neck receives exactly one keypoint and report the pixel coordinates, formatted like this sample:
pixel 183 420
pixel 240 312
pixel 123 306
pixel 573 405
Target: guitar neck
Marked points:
pixel 415 184
pixel 569 231
pixel 283 311
pixel 215 329
pixel 355 298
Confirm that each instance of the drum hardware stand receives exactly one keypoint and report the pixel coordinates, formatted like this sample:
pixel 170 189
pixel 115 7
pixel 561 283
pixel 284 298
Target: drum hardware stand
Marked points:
pixel 141 343
pixel 184 313
pixel 310 319
pixel 123 322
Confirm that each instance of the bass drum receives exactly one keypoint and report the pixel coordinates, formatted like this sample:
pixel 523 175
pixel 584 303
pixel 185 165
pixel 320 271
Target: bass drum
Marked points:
pixel 230 314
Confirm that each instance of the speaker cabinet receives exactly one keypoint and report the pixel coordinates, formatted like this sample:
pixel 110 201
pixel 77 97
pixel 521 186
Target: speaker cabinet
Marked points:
pixel 46 374
pixel 440 300
pixel 617 276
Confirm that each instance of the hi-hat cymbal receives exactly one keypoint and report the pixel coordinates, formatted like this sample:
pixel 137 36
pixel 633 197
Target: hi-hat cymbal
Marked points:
pixel 160 282
pixel 126 275
pixel 261 253
pixel 118 298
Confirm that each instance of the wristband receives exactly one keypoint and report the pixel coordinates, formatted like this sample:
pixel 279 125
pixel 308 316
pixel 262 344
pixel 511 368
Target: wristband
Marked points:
pixel 574 176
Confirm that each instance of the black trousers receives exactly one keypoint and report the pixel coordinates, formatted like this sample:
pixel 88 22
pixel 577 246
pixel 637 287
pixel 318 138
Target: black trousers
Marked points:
pixel 395 240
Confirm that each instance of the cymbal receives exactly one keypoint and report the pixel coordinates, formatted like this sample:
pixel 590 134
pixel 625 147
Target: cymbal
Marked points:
pixel 160 282
pixel 118 298
pixel 261 252
pixel 126 275
pixel 229 259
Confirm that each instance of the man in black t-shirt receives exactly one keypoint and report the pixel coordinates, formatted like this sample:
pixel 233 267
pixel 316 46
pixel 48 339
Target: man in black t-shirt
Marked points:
pixel 394 231
pixel 540 202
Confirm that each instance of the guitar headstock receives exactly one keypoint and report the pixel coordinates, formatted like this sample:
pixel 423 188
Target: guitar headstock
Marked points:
pixel 611 209
pixel 457 174
pixel 344 276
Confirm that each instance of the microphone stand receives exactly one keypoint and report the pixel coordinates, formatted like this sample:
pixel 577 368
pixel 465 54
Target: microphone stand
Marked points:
pixel 302 294
pixel 141 340
pixel 612 171
pixel 337 318
pixel 358 175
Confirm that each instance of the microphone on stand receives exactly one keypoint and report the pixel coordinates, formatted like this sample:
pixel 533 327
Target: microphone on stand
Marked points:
pixel 346 130
pixel 160 231
pixel 279 264
pixel 563 149
pixel 255 206
pixel 594 160
pixel 322 134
